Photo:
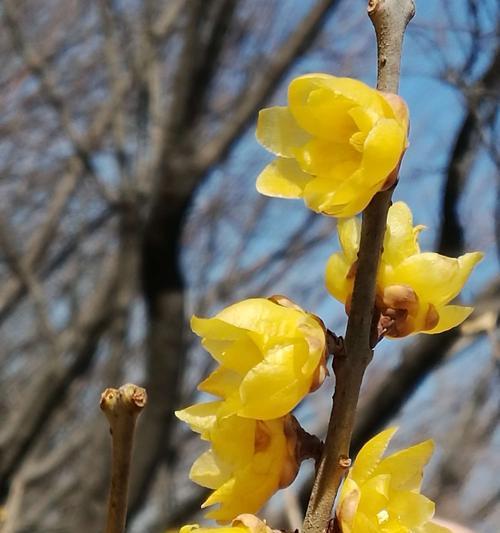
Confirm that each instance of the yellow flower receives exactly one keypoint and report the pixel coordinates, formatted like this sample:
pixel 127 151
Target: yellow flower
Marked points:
pixel 244 523
pixel 338 142
pixel 413 288
pixel 248 461
pixel 383 495
pixel 270 352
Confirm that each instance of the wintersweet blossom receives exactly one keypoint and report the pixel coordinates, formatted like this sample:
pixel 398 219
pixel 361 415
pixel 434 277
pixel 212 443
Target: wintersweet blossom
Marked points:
pixel 244 523
pixel 338 143
pixel 413 288
pixel 248 460
pixel 382 495
pixel 270 352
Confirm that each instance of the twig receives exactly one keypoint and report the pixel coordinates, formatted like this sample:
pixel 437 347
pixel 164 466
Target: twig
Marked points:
pixel 389 18
pixel 121 407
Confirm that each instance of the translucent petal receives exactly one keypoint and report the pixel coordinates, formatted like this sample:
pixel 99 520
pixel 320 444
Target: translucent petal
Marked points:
pixel 353 90
pixel 275 386
pixel 214 328
pixel 283 178
pixel 400 239
pixel 383 149
pixel 374 495
pixel 406 466
pixel 327 159
pixel 364 118
pixel 370 456
pixel 362 524
pixel 412 509
pixel 321 110
pixel 349 230
pixel 221 382
pixel 278 131
pixel 349 199
pixel 233 440
pixel 263 316
pixel 336 280
pixel 207 472
pixel 436 278
pixel 200 417
pixel 450 316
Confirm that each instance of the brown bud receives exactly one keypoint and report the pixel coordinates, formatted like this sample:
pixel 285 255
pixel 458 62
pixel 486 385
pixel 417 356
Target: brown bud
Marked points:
pixel 400 297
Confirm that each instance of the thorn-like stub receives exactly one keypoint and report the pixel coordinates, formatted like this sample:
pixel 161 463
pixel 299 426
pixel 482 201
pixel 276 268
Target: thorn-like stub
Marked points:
pixel 372 6
pixel 345 462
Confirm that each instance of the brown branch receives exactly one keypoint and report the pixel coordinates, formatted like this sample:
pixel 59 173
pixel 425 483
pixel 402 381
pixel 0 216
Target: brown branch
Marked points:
pixel 389 18
pixel 121 407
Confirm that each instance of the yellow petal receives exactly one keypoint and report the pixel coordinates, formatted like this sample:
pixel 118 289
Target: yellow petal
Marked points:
pixel 383 149
pixel 200 417
pixel 347 200
pixel 374 495
pixel 221 382
pixel 283 178
pixel 333 160
pixel 436 278
pixel 400 239
pixel 370 456
pixel 412 509
pixel 215 328
pixel 349 230
pixel 352 90
pixel 406 466
pixel 336 280
pixel 263 316
pixel 275 386
pixel 233 439
pixel 278 131
pixel 207 472
pixel 450 316
pixel 321 110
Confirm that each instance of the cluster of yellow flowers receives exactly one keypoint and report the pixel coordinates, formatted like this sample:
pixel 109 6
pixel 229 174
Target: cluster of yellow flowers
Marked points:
pixel 271 354
pixel 338 143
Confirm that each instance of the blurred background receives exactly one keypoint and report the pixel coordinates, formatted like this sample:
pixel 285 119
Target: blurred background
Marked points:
pixel 127 203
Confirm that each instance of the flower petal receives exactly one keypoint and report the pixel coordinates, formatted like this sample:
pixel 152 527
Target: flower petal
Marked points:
pixel 221 382
pixel 200 417
pixel 349 230
pixel 370 456
pixel 383 149
pixel 275 386
pixel 336 280
pixel 434 277
pixel 278 131
pixel 326 159
pixel 283 178
pixel 401 239
pixel 406 466
pixel 450 316
pixel 207 472
pixel 320 109
pixel 411 508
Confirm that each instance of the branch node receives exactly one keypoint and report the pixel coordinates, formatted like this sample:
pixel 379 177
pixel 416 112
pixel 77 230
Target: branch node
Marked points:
pixel 121 407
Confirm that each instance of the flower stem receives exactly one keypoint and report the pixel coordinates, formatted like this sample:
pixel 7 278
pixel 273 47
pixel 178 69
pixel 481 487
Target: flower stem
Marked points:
pixel 121 407
pixel 389 18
